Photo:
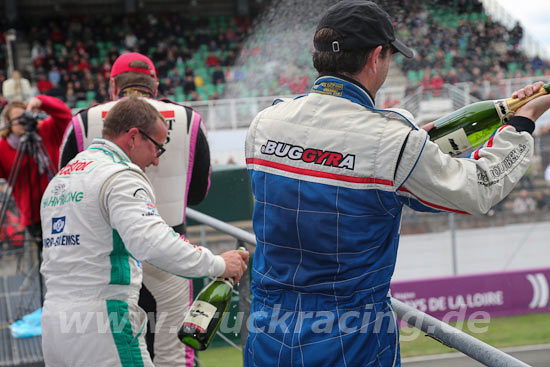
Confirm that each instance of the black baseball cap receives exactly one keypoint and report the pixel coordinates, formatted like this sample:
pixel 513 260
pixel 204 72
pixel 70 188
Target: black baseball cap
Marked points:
pixel 360 24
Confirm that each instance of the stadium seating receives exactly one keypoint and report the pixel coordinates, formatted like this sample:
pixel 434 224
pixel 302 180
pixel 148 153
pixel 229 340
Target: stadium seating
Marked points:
pixel 452 39
pixel 199 43
pixel 463 36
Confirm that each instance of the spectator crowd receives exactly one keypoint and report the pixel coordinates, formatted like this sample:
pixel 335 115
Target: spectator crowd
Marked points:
pixel 456 41
pixel 196 55
pixel 72 57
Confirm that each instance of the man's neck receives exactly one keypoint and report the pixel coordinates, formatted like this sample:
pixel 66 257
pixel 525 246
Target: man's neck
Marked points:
pixel 366 80
pixel 136 90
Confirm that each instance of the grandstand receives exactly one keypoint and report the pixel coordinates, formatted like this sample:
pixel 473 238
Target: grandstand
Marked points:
pixel 228 59
pixel 207 52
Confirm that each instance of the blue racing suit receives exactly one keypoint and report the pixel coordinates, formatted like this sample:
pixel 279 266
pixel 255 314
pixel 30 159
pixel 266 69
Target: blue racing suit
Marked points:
pixel 330 175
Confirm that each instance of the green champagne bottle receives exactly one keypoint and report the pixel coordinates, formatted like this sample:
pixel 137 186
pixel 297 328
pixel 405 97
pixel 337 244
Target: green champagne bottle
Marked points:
pixel 206 313
pixel 473 125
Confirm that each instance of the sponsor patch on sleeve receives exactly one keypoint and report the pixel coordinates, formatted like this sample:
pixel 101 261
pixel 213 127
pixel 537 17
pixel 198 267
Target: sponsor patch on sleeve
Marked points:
pixel 150 208
pixel 503 168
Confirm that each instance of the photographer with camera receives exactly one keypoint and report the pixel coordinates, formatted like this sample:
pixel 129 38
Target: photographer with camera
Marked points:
pixel 19 120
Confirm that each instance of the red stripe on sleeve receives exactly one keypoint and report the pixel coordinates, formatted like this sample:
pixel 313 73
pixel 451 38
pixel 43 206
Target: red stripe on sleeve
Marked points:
pixel 431 204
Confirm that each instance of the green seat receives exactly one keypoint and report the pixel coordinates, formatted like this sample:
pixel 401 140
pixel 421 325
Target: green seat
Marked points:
pixel 90 95
pixel 210 89
pixel 81 104
pixel 181 68
pixel 94 62
pixel 399 59
pixel 203 73
pixel 58 47
pixel 193 64
pixel 448 59
pixel 412 75
pixel 203 96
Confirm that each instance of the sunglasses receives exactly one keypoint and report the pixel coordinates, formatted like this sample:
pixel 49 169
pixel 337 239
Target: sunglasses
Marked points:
pixel 160 147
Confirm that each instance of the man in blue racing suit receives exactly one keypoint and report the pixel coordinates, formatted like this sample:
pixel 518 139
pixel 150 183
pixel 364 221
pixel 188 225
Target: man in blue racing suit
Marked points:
pixel 330 174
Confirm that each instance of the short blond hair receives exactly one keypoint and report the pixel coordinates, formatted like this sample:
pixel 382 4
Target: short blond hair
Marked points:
pixel 133 79
pixel 5 116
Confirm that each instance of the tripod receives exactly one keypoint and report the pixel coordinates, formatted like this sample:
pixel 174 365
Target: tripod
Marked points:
pixel 32 146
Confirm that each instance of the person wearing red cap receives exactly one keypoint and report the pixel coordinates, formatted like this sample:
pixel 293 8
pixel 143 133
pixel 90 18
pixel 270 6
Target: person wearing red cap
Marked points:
pixel 181 178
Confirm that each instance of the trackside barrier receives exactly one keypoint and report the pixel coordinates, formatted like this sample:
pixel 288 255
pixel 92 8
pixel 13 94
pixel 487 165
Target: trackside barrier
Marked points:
pixel 454 338
pixel 438 330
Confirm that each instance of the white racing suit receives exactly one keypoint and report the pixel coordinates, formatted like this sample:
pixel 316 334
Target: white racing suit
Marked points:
pixel 100 223
pixel 330 175
pixel 182 177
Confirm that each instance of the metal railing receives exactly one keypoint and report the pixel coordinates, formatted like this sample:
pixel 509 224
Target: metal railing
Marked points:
pixel 438 330
pixel 238 113
pixel 235 113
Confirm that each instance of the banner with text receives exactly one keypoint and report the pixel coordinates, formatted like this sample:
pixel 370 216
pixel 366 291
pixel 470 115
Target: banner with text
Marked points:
pixel 458 297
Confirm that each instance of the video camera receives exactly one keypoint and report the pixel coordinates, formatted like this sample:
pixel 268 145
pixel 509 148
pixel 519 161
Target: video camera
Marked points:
pixel 29 120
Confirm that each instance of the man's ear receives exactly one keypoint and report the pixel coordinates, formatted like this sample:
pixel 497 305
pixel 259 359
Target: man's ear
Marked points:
pixel 155 92
pixel 132 132
pixel 374 59
pixel 113 90
pixel 131 136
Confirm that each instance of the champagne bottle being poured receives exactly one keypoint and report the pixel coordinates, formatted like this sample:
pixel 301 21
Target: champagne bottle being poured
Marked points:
pixel 206 313
pixel 473 125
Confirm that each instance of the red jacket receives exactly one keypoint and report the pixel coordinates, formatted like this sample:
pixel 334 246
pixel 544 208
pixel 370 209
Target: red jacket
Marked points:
pixel 51 130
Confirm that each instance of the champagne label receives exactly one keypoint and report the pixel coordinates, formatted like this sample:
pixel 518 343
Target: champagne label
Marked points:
pixel 454 143
pixel 503 110
pixel 199 315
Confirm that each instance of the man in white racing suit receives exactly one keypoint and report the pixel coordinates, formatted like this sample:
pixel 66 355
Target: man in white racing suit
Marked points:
pixel 100 225
pixel 182 178
pixel 330 175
